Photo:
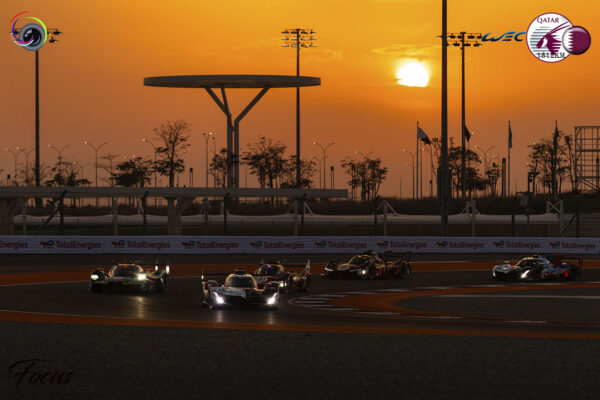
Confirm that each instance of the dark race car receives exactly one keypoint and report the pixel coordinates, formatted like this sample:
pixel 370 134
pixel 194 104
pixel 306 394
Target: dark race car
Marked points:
pixel 368 265
pixel 539 267
pixel 274 273
pixel 129 277
pixel 239 290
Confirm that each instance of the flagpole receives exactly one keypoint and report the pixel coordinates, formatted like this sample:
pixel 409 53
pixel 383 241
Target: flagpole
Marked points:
pixel 508 169
pixel 417 180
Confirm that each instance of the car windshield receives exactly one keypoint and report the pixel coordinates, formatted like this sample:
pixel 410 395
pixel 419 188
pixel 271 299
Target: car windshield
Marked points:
pixel 359 260
pixel 125 271
pixel 242 281
pixel 527 263
pixel 269 270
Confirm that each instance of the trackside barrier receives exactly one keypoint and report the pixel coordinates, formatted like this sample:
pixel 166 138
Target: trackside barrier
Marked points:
pixel 292 244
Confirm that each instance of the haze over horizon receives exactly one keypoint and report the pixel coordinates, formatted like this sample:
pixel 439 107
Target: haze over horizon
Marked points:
pixel 91 81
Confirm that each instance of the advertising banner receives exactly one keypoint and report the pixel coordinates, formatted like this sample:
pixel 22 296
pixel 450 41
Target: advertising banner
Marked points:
pixel 290 244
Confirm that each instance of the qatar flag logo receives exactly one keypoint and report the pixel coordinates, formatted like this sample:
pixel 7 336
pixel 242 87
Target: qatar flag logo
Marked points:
pixel 551 38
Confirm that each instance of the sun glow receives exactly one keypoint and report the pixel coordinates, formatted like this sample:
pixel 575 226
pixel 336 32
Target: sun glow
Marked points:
pixel 413 74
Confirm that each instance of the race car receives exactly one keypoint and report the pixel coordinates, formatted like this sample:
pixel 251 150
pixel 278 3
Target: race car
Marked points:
pixel 368 265
pixel 273 272
pixel 539 267
pixel 130 276
pixel 239 290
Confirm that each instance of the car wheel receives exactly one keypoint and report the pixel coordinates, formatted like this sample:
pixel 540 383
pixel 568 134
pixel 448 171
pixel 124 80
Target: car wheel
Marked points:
pixel 372 273
pixel 162 285
pixel 96 289
pixel 306 284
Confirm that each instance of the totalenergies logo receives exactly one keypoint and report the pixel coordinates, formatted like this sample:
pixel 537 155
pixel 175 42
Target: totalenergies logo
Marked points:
pixel 499 244
pixel 257 245
pixel 555 245
pixel 322 244
pixel 118 244
pixel 551 38
pixel 49 244
pixel 443 244
pixel 31 36
pixel 383 245
pixel 189 244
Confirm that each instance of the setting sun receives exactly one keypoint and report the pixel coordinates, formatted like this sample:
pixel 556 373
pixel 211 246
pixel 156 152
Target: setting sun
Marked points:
pixel 413 74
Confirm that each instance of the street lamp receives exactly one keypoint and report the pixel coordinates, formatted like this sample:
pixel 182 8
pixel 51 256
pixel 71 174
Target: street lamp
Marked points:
pixel 320 169
pixel 96 156
pixel 412 156
pixel 52 32
pixel 485 152
pixel 207 136
pixel 58 150
pixel 413 177
pixel 324 169
pixel 463 39
pixel 298 38
pixel 96 162
pixel 15 154
pixel 153 148
pixel 26 169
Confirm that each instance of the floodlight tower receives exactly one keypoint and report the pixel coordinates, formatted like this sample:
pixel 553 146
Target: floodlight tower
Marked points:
pixel 298 38
pixel 463 39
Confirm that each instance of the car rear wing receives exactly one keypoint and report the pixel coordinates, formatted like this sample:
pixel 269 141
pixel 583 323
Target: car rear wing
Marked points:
pixel 557 259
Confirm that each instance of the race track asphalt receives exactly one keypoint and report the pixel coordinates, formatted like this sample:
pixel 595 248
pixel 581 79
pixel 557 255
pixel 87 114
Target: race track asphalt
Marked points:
pixel 169 346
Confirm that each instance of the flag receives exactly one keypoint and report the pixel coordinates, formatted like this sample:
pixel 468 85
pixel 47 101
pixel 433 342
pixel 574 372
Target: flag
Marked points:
pixel 421 135
pixel 509 136
pixel 467 133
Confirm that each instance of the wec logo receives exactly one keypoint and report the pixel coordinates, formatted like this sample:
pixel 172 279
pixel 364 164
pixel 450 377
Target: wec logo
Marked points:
pixel 383 244
pixel 505 37
pixel 257 245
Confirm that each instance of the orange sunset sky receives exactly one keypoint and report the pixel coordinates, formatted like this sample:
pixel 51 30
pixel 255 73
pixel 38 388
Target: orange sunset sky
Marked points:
pixel 91 81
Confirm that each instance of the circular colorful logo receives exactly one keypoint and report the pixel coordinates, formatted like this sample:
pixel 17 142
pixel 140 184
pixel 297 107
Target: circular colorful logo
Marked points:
pixel 551 38
pixel 32 36
pixel 577 40
pixel 545 37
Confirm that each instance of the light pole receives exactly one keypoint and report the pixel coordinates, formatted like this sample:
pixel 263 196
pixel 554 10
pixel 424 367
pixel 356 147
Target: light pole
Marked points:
pixel 52 32
pixel 443 170
pixel 153 148
pixel 485 159
pixel 58 150
pixel 412 156
pixel 324 162
pixel 96 156
pixel 26 169
pixel 463 39
pixel 320 170
pixel 206 139
pixel 298 38
pixel 15 154
pixel 413 177
pixel 95 163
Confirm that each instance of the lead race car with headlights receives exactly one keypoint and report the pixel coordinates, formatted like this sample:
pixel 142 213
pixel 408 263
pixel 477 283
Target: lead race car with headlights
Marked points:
pixel 239 289
pixel 287 280
pixel 130 277
pixel 369 265
pixel 540 267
